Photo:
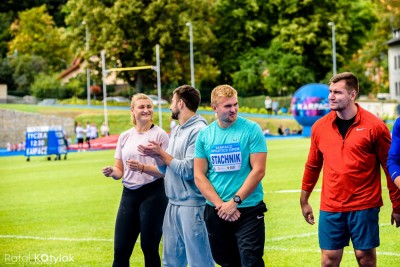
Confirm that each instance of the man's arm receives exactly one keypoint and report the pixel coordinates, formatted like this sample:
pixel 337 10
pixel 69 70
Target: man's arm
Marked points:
pixel 183 167
pixel 306 207
pixel 393 162
pixel 154 150
pixel 257 162
pixel 382 146
pixel 397 181
pixel 310 178
pixel 202 182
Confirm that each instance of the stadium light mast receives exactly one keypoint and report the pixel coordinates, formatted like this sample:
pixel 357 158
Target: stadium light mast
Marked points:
pixel 189 24
pixel 87 68
pixel 104 73
pixel 333 46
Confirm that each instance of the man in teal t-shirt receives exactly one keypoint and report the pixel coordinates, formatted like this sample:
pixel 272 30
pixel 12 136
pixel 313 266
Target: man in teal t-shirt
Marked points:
pixel 229 164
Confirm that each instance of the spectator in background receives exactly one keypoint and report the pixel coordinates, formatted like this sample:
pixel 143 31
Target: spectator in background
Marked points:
pixel 287 131
pixel 280 130
pixel 65 138
pixel 105 131
pixel 88 132
pixel 9 147
pixel 275 107
pixel 93 131
pixel 267 132
pixel 268 104
pixel 172 124
pixel 79 132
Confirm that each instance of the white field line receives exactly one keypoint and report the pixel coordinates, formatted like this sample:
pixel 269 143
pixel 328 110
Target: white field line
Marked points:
pixel 55 238
pixel 280 238
pixel 383 253
pixel 287 191
pixel 293 236
pixel 275 248
pixel 291 191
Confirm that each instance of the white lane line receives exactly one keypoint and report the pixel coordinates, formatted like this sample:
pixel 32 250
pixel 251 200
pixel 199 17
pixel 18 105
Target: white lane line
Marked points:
pixel 293 236
pixel 384 253
pixel 286 191
pixel 296 250
pixel 55 238
pixel 292 191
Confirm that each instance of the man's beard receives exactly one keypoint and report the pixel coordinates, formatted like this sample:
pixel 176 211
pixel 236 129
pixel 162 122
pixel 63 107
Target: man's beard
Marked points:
pixel 175 115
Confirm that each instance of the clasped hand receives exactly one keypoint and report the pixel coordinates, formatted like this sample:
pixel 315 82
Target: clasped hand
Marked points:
pixel 228 211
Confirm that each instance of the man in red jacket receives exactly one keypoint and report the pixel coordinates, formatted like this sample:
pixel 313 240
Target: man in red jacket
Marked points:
pixel 350 144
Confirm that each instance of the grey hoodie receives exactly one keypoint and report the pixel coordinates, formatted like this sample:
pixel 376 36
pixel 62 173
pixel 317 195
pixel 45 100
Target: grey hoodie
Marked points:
pixel 179 179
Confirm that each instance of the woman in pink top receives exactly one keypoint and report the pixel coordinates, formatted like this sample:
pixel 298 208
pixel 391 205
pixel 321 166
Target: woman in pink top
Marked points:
pixel 143 200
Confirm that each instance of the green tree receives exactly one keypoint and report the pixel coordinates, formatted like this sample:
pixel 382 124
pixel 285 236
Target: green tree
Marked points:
pixel 247 80
pixel 26 67
pixel 6 74
pixel 54 7
pixel 168 26
pixel 285 72
pixel 239 27
pixel 130 30
pixel 76 87
pixel 228 38
pixel 5 35
pixel 35 33
pixel 47 86
pixel 302 32
pixel 302 29
pixel 372 57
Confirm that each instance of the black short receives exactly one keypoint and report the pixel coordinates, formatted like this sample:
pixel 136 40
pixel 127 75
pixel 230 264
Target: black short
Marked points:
pixel 239 243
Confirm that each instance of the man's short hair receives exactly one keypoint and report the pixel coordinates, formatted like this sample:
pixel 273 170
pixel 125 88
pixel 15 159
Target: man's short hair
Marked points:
pixel 189 95
pixel 222 91
pixel 350 79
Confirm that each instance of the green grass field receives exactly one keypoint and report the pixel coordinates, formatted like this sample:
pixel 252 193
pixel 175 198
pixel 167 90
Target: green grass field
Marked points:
pixel 65 210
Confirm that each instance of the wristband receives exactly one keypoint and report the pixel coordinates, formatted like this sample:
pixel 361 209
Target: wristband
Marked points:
pixel 141 171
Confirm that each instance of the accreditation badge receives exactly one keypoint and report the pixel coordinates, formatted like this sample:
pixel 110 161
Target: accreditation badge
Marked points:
pixel 226 157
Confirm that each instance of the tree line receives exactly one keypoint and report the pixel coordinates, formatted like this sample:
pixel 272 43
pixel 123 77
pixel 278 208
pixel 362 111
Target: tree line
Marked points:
pixel 260 47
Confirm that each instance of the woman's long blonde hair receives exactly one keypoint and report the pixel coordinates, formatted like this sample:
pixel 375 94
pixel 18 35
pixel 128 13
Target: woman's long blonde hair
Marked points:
pixel 134 99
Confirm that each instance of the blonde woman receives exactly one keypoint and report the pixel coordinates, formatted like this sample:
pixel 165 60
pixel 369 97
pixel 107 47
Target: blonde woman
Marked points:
pixel 143 200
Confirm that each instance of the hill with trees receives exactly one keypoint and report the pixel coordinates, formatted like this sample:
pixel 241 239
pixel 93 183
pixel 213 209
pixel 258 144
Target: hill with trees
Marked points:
pixel 260 47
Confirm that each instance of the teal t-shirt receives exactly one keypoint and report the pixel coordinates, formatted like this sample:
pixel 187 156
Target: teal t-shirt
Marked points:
pixel 228 153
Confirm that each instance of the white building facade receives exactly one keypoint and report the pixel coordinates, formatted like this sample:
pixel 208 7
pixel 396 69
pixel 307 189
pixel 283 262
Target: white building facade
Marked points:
pixel 394 65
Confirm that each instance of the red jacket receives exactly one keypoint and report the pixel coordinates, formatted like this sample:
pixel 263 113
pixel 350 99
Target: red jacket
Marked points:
pixel 352 174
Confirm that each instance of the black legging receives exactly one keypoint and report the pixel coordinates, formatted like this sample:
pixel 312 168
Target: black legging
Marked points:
pixel 140 211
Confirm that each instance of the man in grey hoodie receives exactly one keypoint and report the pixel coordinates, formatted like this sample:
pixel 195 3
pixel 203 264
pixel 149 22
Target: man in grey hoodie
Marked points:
pixel 185 234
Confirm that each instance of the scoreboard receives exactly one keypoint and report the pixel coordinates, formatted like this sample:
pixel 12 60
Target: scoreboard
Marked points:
pixel 45 140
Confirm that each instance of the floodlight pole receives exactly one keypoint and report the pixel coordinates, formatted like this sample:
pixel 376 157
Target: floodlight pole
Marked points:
pixel 158 84
pixel 189 24
pixel 87 68
pixel 333 46
pixel 104 71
